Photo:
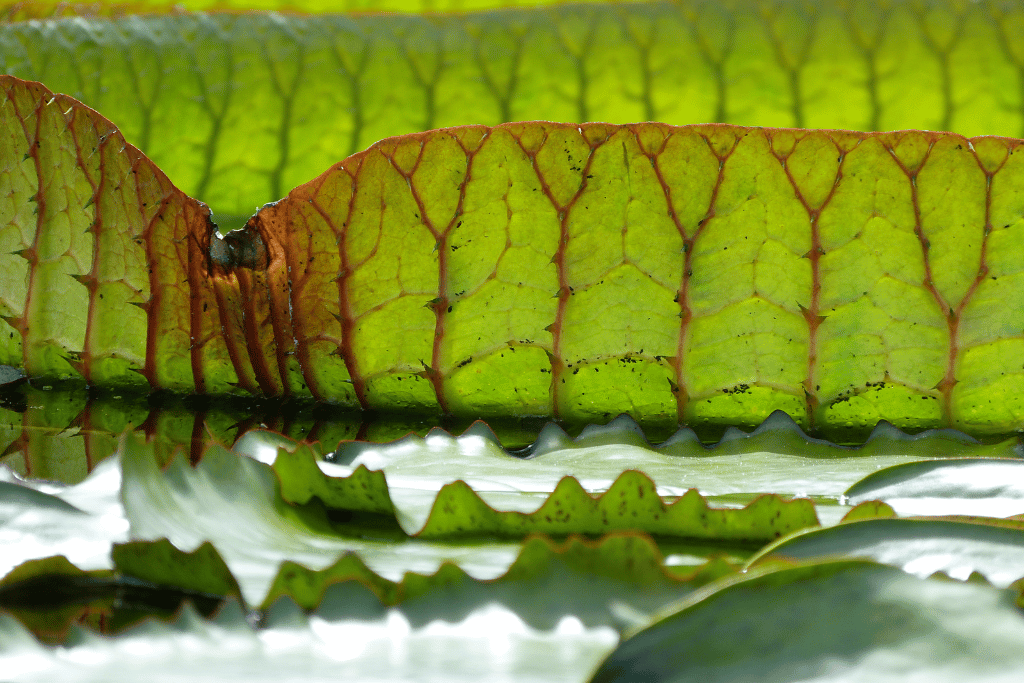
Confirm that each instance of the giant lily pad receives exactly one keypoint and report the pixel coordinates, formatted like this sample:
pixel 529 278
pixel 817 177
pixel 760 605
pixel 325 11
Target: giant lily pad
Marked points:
pixel 527 268
pixel 484 254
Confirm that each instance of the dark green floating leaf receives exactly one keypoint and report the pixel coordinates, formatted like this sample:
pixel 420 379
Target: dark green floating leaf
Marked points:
pixel 828 622
pixel 363 490
pixel 869 509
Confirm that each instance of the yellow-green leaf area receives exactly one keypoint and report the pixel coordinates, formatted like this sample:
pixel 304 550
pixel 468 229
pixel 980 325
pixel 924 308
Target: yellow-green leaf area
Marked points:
pixel 301 480
pixel 563 158
pixel 756 215
pixel 812 161
pixel 598 390
pixel 880 319
pixel 992 392
pixel 437 180
pixel 992 312
pixel 331 78
pixel 500 280
pixel 745 405
pixel 746 343
pixel 951 193
pixel 631 502
pixel 18 187
pixel 203 570
pixel 64 249
pixel 513 379
pixel 688 169
pixel 480 271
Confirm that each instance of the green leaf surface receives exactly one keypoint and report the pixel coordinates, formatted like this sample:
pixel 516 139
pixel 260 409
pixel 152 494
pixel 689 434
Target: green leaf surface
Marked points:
pixel 831 621
pixel 449 505
pixel 630 503
pixel 625 568
pixel 160 563
pixel 778 458
pixel 487 288
pixel 185 87
pixel 232 501
pixel 298 470
pixel 918 546
pixel 974 486
pixel 48 8
pixel 703 275
pixel 726 335
pixel 869 509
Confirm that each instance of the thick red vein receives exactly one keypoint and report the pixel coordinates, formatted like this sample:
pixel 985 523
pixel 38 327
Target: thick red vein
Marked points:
pixel 683 295
pixel 32 253
pixel 196 258
pixel 679 394
pixel 811 313
pixel 90 279
pixel 949 381
pixel 943 387
pixel 442 306
pixel 345 317
pixel 564 289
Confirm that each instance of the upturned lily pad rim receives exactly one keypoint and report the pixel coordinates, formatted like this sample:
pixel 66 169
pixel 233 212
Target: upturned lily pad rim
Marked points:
pixel 766 555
